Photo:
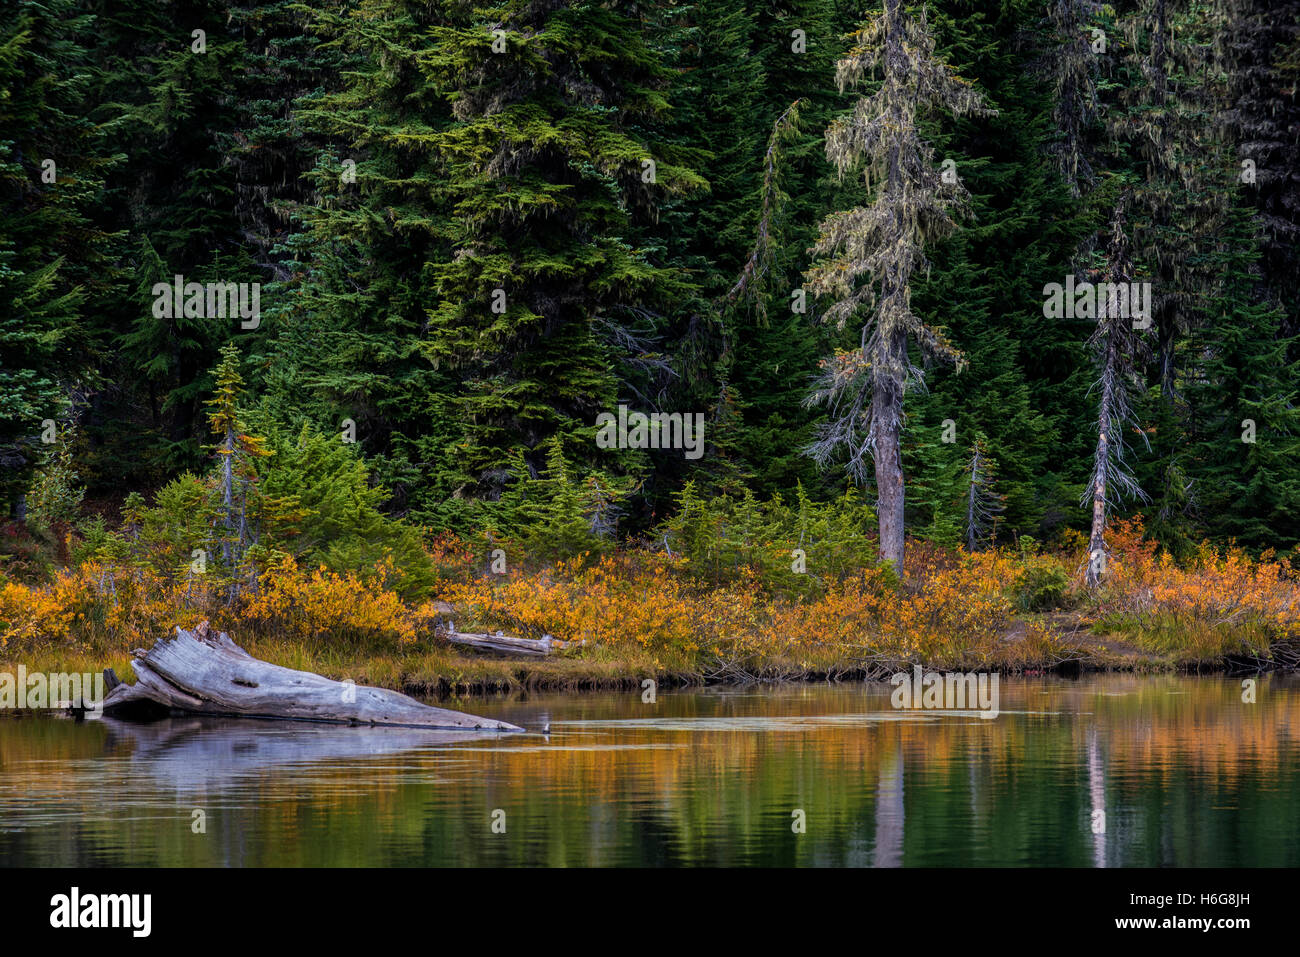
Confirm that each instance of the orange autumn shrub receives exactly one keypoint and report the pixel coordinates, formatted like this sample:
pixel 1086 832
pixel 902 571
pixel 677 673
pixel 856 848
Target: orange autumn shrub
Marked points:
pixel 33 614
pixel 613 602
pixel 93 601
pixel 325 604
pixel 129 606
pixel 59 611
pixel 1221 590
pixel 956 612
pixel 954 609
pixel 952 613
pixel 453 558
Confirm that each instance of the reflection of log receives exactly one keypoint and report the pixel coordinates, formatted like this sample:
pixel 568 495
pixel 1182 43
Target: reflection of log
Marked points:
pixel 204 672
pixel 200 753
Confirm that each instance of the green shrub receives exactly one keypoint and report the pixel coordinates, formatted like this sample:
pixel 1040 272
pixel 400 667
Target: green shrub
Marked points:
pixel 557 514
pixel 796 548
pixel 1040 587
pixel 318 505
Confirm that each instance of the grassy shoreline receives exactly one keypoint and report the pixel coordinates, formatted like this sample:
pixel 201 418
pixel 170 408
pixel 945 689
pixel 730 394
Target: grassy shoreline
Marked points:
pixel 435 670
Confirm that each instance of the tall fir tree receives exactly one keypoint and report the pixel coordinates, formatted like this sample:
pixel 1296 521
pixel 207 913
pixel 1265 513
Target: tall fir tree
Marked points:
pixel 1242 390
pixel 165 87
pixel 871 253
pixel 56 263
pixel 544 307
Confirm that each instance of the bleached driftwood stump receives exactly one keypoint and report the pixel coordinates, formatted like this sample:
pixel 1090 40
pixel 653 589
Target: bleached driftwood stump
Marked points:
pixel 204 672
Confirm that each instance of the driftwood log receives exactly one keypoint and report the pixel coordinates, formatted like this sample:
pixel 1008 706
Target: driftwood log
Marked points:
pixel 204 672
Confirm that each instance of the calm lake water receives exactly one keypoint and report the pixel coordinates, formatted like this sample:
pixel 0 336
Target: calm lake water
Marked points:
pixel 1184 772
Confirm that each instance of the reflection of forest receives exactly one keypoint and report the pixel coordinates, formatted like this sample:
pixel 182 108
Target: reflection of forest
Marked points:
pixel 1185 772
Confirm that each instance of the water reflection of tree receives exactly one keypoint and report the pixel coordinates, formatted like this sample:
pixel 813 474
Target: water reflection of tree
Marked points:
pixel 889 813
pixel 1169 758
pixel 1097 794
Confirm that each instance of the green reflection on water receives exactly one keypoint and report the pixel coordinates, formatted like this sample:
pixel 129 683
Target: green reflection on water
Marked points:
pixel 1184 772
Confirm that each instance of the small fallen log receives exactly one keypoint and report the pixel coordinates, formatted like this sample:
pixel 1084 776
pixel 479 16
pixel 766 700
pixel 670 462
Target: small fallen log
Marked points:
pixel 498 643
pixel 504 644
pixel 507 644
pixel 204 672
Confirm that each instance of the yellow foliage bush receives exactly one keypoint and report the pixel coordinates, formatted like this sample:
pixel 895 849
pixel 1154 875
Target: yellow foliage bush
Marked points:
pixel 955 610
pixel 1221 588
pixel 955 613
pixel 323 604
pixel 30 614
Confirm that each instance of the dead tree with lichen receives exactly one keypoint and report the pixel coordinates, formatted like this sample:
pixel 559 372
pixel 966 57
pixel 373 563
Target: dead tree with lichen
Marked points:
pixel 983 504
pixel 1120 351
pixel 749 285
pixel 1071 66
pixel 869 254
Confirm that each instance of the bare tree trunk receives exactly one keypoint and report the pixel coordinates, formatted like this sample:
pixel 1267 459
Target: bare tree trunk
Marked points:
pixel 1097 540
pixel 888 409
pixel 887 402
pixel 1118 350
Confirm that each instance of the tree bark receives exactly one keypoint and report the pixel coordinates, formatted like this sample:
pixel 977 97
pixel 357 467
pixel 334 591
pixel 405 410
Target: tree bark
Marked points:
pixel 887 400
pixel 888 419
